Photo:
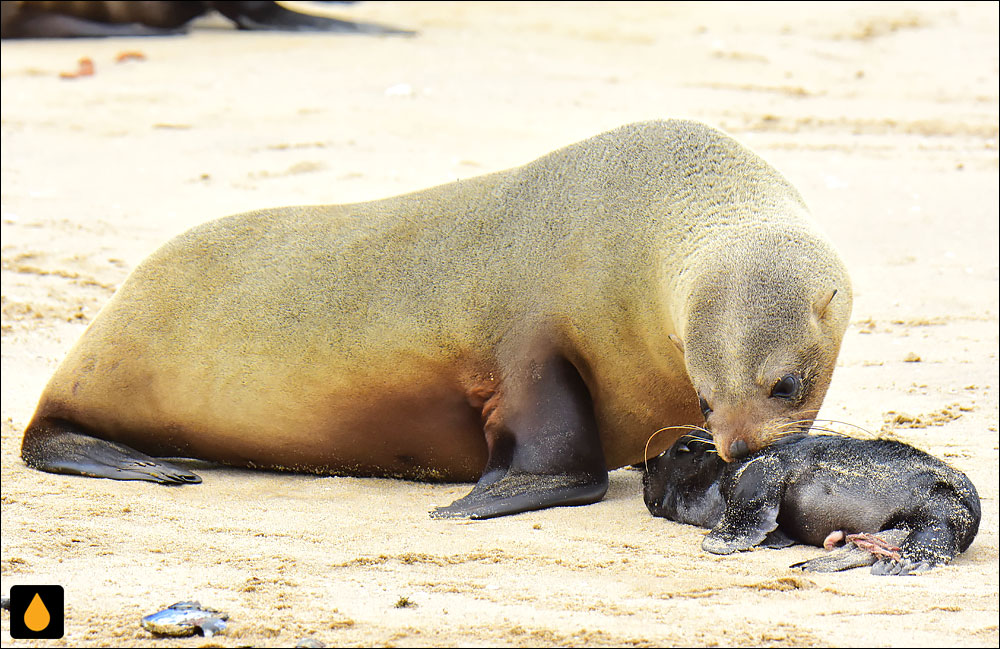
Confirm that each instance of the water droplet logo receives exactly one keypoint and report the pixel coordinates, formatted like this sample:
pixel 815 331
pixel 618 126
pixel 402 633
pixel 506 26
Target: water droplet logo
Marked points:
pixel 36 612
pixel 37 616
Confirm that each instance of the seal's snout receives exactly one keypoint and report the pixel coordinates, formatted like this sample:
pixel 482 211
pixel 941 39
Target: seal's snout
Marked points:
pixel 735 431
pixel 730 449
pixel 738 449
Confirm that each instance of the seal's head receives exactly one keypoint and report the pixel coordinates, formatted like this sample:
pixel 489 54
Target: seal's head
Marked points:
pixel 761 339
pixel 683 483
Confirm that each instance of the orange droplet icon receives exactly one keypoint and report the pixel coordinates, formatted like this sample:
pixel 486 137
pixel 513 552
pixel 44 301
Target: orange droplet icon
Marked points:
pixel 36 617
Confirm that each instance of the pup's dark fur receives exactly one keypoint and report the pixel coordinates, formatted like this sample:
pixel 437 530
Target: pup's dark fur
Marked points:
pixel 805 487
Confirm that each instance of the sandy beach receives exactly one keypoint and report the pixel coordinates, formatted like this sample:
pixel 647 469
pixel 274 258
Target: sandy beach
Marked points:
pixel 884 115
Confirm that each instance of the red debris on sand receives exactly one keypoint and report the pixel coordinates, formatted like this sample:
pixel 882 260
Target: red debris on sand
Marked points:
pixel 130 55
pixel 84 68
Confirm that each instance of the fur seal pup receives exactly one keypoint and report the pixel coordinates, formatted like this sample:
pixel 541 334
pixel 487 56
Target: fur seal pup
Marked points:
pixel 523 328
pixel 88 18
pixel 819 489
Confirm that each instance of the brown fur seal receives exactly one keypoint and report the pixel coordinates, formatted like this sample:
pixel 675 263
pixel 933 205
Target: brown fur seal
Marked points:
pixel 819 490
pixel 89 18
pixel 521 327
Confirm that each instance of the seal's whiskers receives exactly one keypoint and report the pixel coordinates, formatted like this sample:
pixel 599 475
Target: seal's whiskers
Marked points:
pixel 645 451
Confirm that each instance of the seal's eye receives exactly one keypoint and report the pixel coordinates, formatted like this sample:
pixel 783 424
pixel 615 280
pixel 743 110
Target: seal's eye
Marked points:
pixel 706 410
pixel 787 388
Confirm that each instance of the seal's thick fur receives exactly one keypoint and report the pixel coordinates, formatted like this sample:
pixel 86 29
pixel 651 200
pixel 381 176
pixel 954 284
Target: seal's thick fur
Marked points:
pixel 521 327
pixel 806 488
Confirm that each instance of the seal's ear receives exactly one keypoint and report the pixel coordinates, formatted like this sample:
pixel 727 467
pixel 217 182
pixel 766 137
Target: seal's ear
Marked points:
pixel 822 303
pixel 678 343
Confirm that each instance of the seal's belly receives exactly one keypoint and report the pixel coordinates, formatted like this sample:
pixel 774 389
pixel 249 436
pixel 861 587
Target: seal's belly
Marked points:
pixel 425 432
pixel 818 504
pixel 414 422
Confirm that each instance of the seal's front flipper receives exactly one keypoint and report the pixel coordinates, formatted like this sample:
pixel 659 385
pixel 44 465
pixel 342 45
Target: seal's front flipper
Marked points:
pixel 544 450
pixel 523 492
pixel 752 505
pixel 31 23
pixel 57 446
pixel 272 16
pixel 777 540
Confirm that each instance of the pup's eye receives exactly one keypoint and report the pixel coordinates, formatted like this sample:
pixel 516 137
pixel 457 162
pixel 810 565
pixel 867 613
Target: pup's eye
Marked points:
pixel 706 410
pixel 787 388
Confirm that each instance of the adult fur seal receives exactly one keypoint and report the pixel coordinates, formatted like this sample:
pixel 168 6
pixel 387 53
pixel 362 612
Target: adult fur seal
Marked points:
pixel 522 327
pixel 819 489
pixel 88 18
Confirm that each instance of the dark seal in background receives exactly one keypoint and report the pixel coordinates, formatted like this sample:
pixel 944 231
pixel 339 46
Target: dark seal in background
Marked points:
pixel 27 620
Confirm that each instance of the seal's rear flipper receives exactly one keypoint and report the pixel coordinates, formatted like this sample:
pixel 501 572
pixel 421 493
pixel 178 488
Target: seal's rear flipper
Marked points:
pixel 544 450
pixel 851 555
pixel 57 446
pixel 930 543
pixel 943 525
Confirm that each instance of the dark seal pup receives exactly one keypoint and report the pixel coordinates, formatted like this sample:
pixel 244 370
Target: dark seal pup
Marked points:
pixel 90 18
pixel 817 489
pixel 523 328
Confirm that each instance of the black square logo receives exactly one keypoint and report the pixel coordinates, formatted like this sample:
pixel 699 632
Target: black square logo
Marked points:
pixel 36 612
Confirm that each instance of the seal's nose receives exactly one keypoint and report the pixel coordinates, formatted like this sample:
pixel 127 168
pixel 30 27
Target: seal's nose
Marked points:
pixel 738 449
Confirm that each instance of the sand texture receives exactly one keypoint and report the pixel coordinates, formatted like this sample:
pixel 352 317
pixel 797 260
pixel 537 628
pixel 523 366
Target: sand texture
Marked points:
pixel 884 115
